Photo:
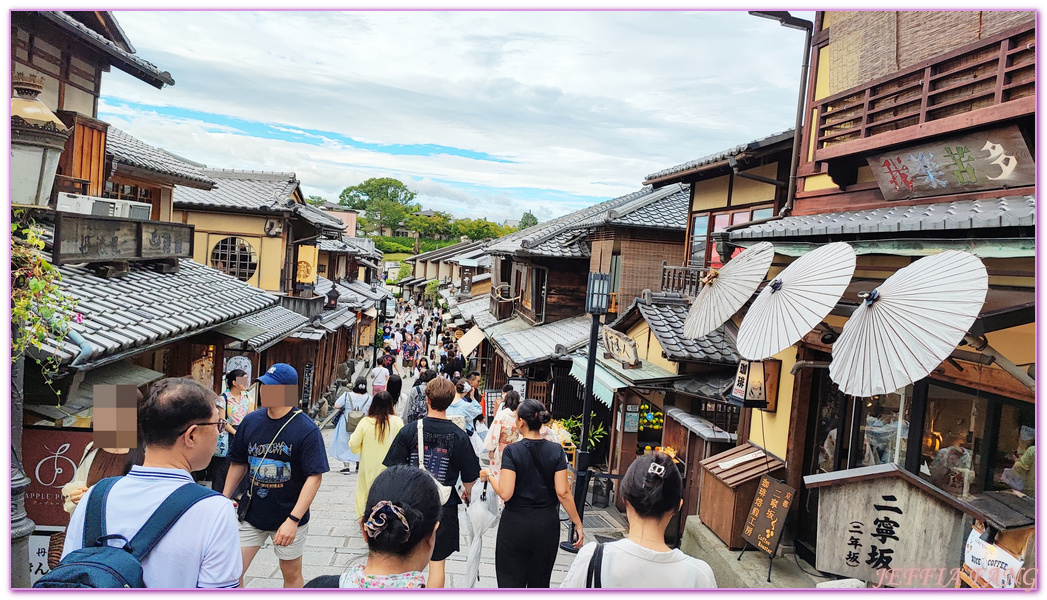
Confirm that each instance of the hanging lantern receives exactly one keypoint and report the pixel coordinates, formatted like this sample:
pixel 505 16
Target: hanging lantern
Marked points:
pixel 37 141
pixel 756 384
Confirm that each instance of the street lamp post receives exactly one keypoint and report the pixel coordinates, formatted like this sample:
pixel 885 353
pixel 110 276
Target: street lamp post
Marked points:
pixel 597 300
pixel 37 140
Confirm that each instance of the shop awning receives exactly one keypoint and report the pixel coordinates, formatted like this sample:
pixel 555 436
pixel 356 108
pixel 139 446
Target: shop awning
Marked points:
pixel 470 340
pixel 239 331
pixel 604 382
pixel 371 312
pixel 81 398
pixel 698 426
pixel 647 373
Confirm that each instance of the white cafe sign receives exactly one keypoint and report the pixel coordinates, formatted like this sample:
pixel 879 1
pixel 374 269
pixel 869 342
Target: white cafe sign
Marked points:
pixel 620 347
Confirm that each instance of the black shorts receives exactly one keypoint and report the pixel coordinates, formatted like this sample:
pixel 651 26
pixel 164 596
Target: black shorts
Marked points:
pixel 447 534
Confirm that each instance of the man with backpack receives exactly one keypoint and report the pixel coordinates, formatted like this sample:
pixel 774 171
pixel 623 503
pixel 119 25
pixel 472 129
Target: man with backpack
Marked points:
pixel 417 407
pixel 179 423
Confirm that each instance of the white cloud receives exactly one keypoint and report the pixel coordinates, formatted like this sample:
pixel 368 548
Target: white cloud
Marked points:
pixel 582 103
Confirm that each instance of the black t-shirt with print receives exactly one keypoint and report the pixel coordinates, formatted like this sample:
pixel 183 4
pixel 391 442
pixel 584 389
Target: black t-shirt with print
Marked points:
pixel 296 454
pixel 533 481
pixel 448 453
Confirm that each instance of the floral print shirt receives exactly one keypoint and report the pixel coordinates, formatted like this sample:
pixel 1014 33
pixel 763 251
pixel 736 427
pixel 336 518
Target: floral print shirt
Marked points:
pixel 237 408
pixel 356 578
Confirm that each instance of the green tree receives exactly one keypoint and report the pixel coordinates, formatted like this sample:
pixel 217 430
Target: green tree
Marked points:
pixel 360 196
pixel 316 200
pixel 430 227
pixel 477 229
pixel 405 271
pixel 527 220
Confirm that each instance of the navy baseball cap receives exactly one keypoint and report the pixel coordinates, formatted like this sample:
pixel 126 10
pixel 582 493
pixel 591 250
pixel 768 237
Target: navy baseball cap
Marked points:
pixel 279 374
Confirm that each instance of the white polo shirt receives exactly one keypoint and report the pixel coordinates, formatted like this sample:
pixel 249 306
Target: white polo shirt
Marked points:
pixel 201 550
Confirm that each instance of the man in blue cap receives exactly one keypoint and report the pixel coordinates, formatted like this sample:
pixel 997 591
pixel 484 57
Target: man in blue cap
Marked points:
pixel 282 452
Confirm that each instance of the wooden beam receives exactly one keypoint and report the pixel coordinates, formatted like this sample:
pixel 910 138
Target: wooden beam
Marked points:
pixel 984 378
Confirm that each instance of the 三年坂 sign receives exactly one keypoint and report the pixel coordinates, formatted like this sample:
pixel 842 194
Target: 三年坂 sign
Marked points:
pixel 987 160
pixel 88 238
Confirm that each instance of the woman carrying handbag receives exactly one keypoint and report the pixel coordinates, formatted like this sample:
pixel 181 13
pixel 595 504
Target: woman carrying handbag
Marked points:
pixel 371 440
pixel 532 481
pixel 354 407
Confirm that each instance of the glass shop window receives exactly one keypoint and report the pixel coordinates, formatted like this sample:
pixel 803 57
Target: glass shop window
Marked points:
pixel 885 427
pixel 952 456
pixel 1014 465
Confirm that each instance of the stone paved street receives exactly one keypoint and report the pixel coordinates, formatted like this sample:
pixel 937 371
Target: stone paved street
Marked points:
pixel 335 541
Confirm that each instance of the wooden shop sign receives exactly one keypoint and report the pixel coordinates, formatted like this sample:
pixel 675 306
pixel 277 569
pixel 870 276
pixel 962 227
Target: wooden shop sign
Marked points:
pixel 766 519
pixel 620 347
pixel 91 239
pixel 988 160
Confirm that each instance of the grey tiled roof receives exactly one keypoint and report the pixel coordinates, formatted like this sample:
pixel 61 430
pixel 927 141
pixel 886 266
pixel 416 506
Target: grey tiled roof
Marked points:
pixel 318 217
pixel 133 152
pixel 278 322
pixel 446 251
pixel 331 320
pixel 699 426
pixel 471 308
pixel 325 244
pixel 1011 211
pixel 484 320
pixel 121 59
pixel 666 323
pixel 661 208
pixel 481 277
pixel 145 308
pixel 723 155
pixel 363 289
pixel 366 245
pixel 252 190
pixel 536 344
pixel 547 238
pixel 346 295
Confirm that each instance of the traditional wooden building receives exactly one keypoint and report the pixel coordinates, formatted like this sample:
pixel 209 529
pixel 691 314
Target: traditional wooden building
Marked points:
pixel 918 138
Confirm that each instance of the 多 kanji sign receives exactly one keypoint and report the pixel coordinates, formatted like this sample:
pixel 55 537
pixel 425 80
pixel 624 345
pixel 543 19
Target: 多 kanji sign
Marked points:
pixel 993 159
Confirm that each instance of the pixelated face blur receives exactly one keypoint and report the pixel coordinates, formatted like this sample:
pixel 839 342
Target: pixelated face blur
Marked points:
pixel 116 416
pixel 278 396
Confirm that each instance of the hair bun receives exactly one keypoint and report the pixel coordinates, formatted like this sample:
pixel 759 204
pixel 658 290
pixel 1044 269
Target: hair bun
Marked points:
pixel 544 416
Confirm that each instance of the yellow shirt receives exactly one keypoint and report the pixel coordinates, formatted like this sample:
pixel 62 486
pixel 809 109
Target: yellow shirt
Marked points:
pixel 364 441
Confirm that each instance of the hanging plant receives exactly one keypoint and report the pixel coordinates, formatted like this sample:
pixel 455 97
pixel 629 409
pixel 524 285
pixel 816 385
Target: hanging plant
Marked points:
pixel 39 308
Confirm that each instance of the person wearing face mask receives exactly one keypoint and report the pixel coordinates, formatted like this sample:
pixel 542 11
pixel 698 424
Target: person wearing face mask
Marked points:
pixel 179 424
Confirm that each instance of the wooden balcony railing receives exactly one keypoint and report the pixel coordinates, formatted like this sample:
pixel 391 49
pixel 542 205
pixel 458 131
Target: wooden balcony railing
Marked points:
pixel 501 309
pixel 684 280
pixel 947 93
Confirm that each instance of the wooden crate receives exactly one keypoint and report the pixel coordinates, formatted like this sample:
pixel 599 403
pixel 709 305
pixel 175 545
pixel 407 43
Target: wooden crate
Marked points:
pixel 727 494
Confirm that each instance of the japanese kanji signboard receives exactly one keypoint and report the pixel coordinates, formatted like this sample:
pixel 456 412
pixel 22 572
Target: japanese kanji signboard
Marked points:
pixel 766 519
pixel 878 526
pixel 987 160
pixel 88 238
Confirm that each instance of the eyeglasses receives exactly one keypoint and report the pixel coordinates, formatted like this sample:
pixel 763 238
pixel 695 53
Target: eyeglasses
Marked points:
pixel 220 424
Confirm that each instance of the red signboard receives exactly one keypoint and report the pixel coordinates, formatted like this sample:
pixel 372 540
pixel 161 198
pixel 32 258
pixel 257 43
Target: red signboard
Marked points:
pixel 50 457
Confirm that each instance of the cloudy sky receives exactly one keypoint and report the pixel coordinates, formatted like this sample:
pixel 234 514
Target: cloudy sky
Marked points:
pixel 483 113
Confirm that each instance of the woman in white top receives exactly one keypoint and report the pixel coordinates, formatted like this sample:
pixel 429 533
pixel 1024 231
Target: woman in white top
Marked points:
pixel 357 399
pixel 653 490
pixel 379 378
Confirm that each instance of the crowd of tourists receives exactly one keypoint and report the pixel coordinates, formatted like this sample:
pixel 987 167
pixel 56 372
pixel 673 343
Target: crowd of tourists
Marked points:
pixel 420 453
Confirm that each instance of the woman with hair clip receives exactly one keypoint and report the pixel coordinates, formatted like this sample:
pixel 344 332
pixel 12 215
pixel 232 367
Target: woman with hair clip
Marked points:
pixel 371 441
pixel 356 399
pixel 653 492
pixel 402 516
pixel 532 480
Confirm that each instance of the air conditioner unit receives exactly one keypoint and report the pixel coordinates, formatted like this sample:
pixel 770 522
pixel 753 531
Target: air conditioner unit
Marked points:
pixel 103 207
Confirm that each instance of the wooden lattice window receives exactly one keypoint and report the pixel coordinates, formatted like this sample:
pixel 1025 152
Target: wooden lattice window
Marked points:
pixel 235 256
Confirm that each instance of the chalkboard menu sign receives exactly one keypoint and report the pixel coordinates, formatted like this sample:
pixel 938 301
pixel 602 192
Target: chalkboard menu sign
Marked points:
pixel 766 519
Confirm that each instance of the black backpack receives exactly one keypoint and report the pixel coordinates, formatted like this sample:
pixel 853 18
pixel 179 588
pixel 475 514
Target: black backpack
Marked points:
pixel 99 565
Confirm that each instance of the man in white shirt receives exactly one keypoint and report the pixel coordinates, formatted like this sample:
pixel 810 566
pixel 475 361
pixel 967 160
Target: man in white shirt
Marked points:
pixel 179 424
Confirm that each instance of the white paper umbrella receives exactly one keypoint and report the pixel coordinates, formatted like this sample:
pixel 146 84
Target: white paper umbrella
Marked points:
pixel 796 300
pixel 727 290
pixel 908 325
